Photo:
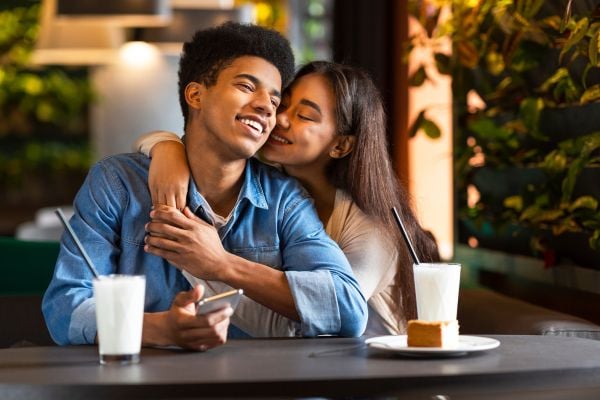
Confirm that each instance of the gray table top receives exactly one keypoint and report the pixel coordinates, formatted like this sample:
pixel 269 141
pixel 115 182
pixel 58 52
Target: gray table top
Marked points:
pixel 304 367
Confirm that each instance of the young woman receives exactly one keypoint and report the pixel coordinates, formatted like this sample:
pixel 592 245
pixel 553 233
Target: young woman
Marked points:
pixel 331 136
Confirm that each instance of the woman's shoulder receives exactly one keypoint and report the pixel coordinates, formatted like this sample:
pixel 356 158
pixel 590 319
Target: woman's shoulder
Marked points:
pixel 350 227
pixel 347 217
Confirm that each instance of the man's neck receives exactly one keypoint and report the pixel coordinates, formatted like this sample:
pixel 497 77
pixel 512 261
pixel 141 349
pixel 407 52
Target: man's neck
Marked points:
pixel 217 179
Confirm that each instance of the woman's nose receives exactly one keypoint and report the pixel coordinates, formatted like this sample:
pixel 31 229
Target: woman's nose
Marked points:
pixel 282 120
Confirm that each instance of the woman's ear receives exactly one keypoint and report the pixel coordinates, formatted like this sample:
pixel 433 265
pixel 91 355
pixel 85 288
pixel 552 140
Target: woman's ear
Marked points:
pixel 343 146
pixel 193 94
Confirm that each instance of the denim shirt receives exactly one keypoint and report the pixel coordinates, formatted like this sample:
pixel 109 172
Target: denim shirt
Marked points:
pixel 273 223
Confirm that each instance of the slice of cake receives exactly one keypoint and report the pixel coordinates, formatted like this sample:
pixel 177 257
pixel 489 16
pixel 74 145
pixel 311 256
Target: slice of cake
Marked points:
pixel 442 334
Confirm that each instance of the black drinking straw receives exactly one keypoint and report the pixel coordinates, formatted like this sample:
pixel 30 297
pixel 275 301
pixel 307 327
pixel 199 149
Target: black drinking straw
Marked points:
pixel 413 253
pixel 87 259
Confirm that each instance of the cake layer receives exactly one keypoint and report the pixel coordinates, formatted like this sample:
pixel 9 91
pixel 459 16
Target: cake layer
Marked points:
pixel 442 334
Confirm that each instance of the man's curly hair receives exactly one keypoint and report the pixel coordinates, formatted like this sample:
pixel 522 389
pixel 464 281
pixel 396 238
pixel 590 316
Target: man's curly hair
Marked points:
pixel 213 49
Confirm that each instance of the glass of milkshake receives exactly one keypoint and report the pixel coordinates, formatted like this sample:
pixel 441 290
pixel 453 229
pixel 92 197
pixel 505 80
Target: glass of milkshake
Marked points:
pixel 119 317
pixel 436 287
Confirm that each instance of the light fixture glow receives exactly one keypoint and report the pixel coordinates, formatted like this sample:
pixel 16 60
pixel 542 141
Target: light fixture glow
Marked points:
pixel 138 54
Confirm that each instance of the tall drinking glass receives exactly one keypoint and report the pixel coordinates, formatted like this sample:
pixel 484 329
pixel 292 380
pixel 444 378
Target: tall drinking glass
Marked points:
pixel 436 287
pixel 119 317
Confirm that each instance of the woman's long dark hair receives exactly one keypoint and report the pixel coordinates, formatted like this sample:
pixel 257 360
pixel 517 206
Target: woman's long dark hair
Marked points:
pixel 367 174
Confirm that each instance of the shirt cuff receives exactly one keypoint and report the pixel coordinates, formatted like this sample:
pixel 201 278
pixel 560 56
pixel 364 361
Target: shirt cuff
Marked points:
pixel 316 302
pixel 82 329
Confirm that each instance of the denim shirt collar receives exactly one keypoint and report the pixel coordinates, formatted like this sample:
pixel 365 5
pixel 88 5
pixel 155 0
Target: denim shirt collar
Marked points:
pixel 251 190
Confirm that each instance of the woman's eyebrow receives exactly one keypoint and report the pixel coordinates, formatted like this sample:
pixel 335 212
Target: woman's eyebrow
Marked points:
pixel 311 104
pixel 257 82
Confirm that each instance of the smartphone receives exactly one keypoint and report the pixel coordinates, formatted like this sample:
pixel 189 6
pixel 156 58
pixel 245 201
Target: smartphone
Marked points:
pixel 219 301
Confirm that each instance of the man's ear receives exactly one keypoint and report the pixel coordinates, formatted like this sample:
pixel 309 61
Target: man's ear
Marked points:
pixel 343 146
pixel 193 93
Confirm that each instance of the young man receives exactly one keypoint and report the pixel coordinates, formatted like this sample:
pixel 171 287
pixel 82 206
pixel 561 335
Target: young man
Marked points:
pixel 269 241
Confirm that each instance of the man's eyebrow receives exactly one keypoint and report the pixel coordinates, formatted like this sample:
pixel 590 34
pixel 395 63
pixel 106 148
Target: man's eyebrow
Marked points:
pixel 311 104
pixel 257 81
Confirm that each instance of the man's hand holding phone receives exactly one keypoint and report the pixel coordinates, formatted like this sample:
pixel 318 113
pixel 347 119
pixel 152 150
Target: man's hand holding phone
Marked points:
pixel 181 326
pixel 218 302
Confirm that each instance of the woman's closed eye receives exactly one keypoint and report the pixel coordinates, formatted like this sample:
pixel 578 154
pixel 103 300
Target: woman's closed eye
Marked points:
pixel 305 117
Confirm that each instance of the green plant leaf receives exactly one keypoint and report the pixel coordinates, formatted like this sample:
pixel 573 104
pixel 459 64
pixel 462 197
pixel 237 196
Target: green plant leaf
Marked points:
pixel 575 36
pixel 588 202
pixel 533 8
pixel 591 94
pixel 428 126
pixel 535 214
pixel 530 212
pixel 431 129
pixel 418 77
pixel 594 48
pixel 529 111
pixel 559 75
pixel 548 216
pixel 495 62
pixel 514 202
pixel 593 222
pixel 443 63
pixel 569 182
pixel 594 240
pixel 488 129
pixel 556 161
pixel 566 90
pixel 565 225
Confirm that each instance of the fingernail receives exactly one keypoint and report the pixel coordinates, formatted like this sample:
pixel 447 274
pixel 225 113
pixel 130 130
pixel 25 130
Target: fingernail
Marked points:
pixel 229 311
pixel 203 348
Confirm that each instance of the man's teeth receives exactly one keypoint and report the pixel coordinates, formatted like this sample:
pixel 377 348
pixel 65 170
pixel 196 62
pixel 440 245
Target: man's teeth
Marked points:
pixel 280 139
pixel 253 124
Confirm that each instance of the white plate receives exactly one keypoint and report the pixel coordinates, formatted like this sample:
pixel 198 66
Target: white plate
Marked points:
pixel 466 344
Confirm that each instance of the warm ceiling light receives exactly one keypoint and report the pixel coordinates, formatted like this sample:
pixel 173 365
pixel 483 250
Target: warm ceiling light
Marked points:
pixel 74 44
pixel 129 13
pixel 138 54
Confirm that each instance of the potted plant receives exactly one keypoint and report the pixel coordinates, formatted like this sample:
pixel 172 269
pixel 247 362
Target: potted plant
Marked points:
pixel 44 146
pixel 529 154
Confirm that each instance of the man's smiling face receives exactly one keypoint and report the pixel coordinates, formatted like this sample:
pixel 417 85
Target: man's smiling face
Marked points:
pixel 237 113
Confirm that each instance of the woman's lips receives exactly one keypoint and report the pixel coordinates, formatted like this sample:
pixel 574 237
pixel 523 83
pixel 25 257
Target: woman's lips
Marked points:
pixel 277 139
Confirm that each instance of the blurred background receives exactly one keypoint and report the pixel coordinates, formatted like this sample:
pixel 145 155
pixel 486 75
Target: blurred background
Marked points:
pixel 494 111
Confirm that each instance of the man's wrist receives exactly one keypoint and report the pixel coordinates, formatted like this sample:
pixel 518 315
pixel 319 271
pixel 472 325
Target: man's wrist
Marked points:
pixel 155 331
pixel 226 271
